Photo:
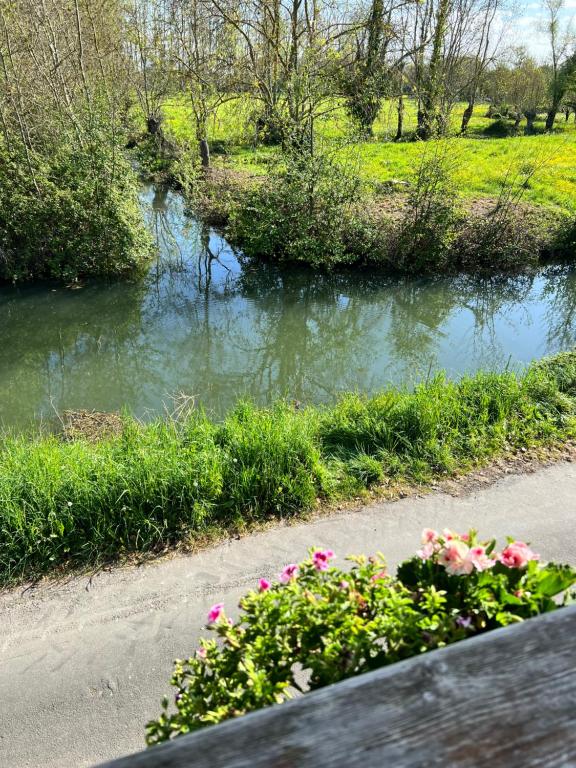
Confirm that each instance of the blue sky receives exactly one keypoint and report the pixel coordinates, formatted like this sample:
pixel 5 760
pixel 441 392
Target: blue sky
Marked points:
pixel 526 26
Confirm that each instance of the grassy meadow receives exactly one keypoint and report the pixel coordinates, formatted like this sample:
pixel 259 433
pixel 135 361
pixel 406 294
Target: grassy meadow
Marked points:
pixel 480 160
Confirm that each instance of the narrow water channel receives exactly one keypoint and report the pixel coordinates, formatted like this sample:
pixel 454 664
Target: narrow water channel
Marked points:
pixel 201 325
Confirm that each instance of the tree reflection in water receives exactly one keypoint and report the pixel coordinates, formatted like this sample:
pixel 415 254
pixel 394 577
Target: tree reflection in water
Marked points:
pixel 207 325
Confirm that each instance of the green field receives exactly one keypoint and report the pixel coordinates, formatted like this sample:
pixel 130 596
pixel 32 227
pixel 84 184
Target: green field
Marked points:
pixel 480 161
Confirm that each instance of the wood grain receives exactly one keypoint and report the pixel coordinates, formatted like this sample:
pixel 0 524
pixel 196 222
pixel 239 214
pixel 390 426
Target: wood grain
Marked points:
pixel 507 698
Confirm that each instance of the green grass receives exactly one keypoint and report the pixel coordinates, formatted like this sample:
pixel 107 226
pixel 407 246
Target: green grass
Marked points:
pixel 481 162
pixel 158 484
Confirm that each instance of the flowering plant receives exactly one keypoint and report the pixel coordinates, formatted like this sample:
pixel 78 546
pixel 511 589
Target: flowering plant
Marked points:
pixel 319 624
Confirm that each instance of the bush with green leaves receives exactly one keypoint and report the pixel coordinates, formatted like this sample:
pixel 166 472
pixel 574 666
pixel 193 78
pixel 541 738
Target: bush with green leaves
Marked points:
pixel 432 217
pixel 320 624
pixel 307 211
pixel 69 212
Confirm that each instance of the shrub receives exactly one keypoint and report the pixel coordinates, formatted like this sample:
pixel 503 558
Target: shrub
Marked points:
pixel 305 212
pixel 78 214
pixel 499 129
pixel 564 240
pixel 509 235
pixel 321 624
pixel 432 215
pixel 502 239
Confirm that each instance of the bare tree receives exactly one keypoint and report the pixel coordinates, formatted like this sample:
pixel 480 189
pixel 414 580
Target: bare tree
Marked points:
pixel 149 47
pixel 204 58
pixel 483 54
pixel 561 42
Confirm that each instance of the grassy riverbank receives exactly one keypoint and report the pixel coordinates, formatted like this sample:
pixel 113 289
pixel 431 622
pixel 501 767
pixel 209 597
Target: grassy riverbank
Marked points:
pixel 481 159
pixel 78 502
pixel 484 202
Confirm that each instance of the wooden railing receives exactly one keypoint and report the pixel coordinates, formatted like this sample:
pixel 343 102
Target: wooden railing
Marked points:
pixel 506 698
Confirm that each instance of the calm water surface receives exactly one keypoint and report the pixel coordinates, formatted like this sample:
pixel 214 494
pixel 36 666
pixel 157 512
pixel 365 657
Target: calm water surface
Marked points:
pixel 201 325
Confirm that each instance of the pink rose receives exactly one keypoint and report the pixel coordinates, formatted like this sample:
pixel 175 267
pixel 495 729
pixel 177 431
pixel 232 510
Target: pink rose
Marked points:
pixel 321 558
pixel 517 555
pixel 215 612
pixel 290 572
pixel 479 559
pixel 263 585
pixel 454 557
pixel 448 535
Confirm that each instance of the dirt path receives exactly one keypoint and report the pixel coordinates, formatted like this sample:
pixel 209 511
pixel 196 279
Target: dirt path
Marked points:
pixel 84 664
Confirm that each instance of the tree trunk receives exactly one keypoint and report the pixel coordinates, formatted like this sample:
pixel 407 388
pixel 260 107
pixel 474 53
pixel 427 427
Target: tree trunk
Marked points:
pixel 468 112
pixel 204 153
pixel 550 118
pixel 431 98
pixel 530 117
pixel 400 123
pixel 154 124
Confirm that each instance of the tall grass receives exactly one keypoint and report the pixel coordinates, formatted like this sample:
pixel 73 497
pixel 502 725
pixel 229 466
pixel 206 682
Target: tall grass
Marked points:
pixel 157 484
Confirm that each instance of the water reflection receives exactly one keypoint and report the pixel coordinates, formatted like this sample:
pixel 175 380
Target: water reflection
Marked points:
pixel 202 324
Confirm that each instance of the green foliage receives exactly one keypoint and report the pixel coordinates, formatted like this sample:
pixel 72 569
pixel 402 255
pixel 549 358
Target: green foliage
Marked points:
pixel 305 212
pixel 322 624
pixel 73 502
pixel 69 213
pixel 481 161
pixel 430 222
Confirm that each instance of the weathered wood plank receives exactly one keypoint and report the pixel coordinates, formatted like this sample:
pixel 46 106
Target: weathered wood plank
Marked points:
pixel 507 698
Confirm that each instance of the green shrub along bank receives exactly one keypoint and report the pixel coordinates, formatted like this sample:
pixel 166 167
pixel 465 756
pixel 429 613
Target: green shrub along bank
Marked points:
pixel 316 211
pixel 77 214
pixel 154 485
pixel 68 196
pixel 322 624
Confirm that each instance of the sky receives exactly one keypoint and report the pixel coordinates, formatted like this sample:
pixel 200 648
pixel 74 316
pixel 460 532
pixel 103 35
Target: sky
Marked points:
pixel 526 27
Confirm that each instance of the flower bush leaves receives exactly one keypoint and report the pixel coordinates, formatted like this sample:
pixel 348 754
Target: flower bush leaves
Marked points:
pixel 319 624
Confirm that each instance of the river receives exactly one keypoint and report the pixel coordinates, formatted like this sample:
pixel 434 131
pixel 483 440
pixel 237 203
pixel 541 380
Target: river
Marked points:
pixel 200 325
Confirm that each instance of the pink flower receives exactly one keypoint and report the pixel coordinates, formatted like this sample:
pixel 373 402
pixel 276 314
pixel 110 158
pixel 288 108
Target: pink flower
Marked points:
pixel 201 653
pixel 448 535
pixel 479 559
pixel 215 612
pixel 321 559
pixel 344 585
pixel 517 555
pixel 263 585
pixel 465 537
pixel 454 557
pixel 379 576
pixel 290 572
pixel 426 552
pixel 429 536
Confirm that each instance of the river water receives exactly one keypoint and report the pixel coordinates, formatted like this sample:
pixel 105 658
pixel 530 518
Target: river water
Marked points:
pixel 201 326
